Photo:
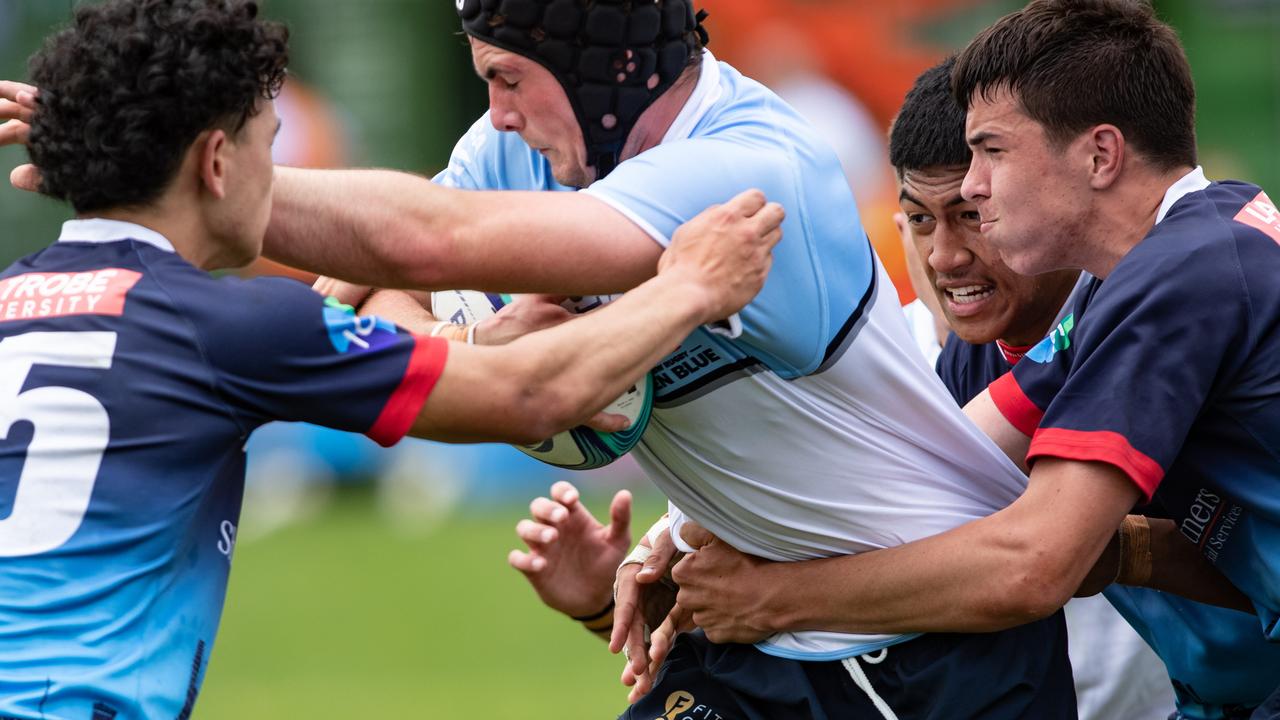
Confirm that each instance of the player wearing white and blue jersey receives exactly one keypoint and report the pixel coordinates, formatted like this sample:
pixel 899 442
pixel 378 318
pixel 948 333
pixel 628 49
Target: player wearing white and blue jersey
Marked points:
pixel 790 437
pixel 788 434
pixel 130 379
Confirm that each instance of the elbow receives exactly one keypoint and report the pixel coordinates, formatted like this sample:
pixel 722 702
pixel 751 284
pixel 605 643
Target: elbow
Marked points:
pixel 1033 590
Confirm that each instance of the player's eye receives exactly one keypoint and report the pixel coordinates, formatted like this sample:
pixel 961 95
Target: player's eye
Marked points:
pixel 917 219
pixel 971 216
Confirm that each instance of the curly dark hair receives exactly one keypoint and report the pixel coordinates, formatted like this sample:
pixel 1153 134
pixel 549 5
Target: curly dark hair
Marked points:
pixel 127 88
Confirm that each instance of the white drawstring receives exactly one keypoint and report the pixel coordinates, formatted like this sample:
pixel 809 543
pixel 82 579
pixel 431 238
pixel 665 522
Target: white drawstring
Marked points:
pixel 860 679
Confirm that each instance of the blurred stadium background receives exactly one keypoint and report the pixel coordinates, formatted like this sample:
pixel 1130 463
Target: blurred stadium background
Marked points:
pixel 374 584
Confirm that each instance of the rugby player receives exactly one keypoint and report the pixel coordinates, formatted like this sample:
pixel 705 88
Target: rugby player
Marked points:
pixel 130 379
pixel 1219 666
pixel 1161 384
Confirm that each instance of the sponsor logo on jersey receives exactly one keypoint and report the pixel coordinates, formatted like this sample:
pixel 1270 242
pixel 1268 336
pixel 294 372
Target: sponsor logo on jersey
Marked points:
pixel 353 333
pixel 682 705
pixel 1210 522
pixel 684 365
pixel 48 295
pixel 1262 214
pixel 1057 341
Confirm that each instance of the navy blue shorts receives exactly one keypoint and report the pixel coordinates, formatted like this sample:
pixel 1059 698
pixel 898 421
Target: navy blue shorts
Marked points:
pixel 1010 675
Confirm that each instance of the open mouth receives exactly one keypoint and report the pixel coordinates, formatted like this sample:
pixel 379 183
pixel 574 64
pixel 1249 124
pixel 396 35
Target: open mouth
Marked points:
pixel 962 297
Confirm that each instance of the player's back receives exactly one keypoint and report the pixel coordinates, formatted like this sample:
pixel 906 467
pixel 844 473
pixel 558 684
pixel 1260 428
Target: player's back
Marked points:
pixel 120 481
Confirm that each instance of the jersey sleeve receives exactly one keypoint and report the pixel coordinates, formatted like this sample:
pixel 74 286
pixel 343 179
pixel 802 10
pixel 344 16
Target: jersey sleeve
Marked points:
pixel 1123 380
pixel 278 351
pixel 485 159
pixel 809 299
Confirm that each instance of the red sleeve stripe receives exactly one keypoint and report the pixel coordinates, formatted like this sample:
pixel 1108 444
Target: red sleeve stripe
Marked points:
pixel 402 408
pixel 1014 404
pixel 1099 446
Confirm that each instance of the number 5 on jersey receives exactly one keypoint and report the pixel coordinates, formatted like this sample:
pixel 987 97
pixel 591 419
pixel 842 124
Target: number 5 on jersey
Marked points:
pixel 71 431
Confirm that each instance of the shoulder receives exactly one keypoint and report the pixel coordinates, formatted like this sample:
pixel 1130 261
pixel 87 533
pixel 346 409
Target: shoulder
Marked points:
pixel 487 159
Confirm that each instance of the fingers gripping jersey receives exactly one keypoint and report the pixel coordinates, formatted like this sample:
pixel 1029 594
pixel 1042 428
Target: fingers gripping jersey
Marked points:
pixel 1170 370
pixel 129 382
pixel 819 430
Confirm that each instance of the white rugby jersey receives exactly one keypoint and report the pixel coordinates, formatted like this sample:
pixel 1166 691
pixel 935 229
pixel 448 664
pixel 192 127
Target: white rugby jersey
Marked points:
pixel 819 430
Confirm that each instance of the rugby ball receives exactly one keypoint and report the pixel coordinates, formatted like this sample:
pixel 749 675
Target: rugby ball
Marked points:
pixel 580 448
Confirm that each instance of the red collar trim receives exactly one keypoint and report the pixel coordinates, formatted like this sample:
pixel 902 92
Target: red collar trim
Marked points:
pixel 1011 353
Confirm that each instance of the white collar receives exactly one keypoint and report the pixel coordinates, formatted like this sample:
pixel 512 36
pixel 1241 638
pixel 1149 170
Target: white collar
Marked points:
pixel 1193 181
pixel 101 230
pixel 705 94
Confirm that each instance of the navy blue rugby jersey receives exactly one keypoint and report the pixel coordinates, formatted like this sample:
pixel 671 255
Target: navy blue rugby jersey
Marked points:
pixel 1215 657
pixel 968 369
pixel 129 382
pixel 1170 371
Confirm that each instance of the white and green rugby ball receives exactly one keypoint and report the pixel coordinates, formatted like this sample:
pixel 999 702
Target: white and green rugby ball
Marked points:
pixel 581 448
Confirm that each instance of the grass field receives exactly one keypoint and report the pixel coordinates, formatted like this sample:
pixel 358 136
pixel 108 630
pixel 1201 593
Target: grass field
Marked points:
pixel 340 617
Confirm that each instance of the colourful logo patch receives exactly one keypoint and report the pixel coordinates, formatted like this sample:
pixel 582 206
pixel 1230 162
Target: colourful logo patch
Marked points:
pixel 1057 341
pixel 352 333
pixel 1261 213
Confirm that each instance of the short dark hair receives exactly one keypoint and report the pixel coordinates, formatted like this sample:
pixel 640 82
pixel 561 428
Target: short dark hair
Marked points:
pixel 1074 64
pixel 929 129
pixel 127 88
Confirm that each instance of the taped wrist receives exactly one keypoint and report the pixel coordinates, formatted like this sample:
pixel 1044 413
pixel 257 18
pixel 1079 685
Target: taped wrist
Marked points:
pixel 1135 551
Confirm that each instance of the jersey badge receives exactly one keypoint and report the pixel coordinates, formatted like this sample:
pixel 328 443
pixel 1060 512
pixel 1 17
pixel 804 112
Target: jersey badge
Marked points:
pixel 34 296
pixel 1261 214
pixel 353 333
pixel 1057 341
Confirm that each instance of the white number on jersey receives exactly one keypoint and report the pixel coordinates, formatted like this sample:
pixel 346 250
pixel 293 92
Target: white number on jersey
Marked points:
pixel 71 434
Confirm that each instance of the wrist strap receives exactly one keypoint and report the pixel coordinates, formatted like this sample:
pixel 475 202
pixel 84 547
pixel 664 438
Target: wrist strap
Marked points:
pixel 600 623
pixel 1135 551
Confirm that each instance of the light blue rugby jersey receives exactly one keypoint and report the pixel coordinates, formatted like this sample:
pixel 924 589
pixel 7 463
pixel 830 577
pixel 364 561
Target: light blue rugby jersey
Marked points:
pixel 819 430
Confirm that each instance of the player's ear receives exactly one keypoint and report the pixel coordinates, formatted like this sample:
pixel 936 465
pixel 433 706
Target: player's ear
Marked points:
pixel 1107 148
pixel 211 148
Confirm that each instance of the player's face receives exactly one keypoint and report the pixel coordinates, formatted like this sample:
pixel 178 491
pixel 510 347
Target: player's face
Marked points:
pixel 525 98
pixel 983 299
pixel 246 210
pixel 1032 200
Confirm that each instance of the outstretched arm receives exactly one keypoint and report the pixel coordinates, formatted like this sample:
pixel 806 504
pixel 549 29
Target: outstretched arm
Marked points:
pixel 540 384
pixel 392 229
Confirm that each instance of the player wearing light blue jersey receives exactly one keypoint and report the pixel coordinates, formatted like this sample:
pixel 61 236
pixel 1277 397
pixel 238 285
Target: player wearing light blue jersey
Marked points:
pixel 130 379
pixel 787 432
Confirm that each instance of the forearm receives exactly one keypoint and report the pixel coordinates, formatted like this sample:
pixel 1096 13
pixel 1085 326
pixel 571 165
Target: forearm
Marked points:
pixel 351 224
pixel 910 588
pixel 392 229
pixel 1017 565
pixel 582 365
pixel 1178 567
pixel 402 307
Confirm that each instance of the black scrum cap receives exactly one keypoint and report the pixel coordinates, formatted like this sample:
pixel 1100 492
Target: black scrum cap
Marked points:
pixel 613 57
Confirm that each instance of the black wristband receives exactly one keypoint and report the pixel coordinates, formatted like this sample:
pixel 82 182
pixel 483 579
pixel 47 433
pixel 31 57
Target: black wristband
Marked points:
pixel 589 618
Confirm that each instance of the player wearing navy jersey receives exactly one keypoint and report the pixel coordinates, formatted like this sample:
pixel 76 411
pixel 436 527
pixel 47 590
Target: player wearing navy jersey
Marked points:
pixel 130 379
pixel 1160 385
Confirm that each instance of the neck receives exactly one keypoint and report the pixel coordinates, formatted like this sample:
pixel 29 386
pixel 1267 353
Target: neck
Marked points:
pixel 657 119
pixel 1124 215
pixel 182 229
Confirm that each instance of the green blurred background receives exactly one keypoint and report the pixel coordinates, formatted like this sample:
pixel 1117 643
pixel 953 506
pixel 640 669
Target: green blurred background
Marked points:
pixel 342 609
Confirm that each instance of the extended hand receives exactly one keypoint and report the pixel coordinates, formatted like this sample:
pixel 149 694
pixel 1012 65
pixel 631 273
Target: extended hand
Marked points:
pixel 724 591
pixel 726 249
pixel 17 107
pixel 526 314
pixel 572 557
